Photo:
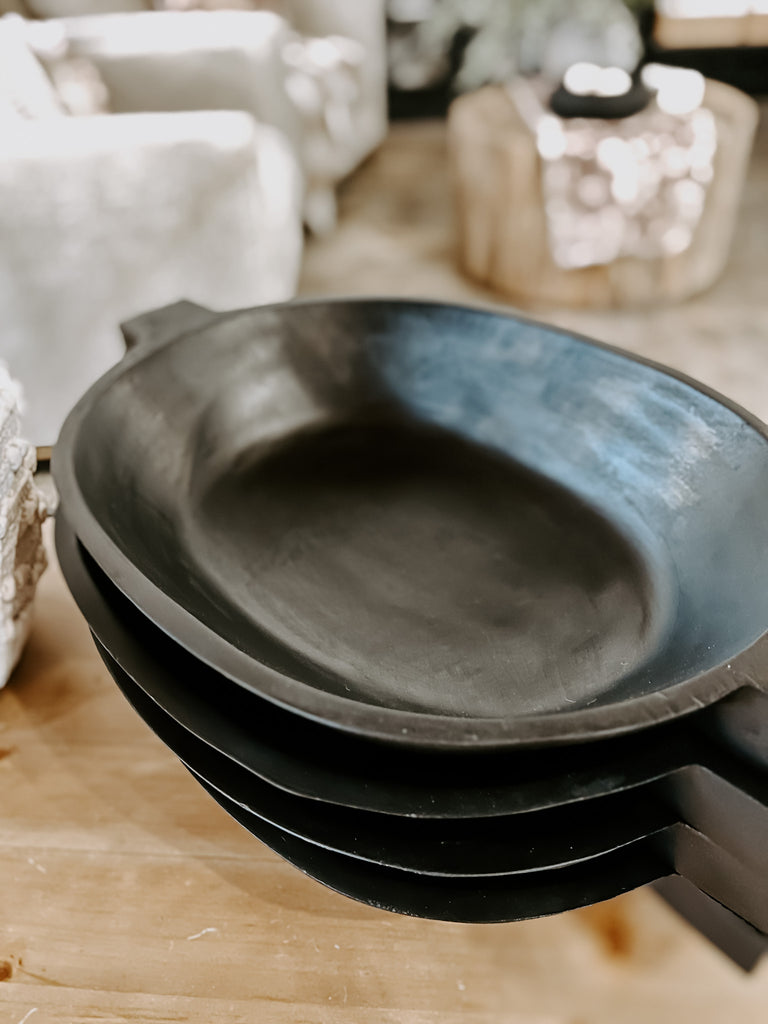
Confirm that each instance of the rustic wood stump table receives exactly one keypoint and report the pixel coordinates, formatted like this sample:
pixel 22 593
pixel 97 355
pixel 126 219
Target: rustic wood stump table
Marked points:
pixel 502 225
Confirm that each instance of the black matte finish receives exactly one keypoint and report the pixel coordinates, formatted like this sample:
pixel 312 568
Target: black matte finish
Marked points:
pixel 312 761
pixel 726 800
pixel 735 819
pixel 442 527
pixel 467 847
pixel 730 873
pixel 514 897
pixel 482 901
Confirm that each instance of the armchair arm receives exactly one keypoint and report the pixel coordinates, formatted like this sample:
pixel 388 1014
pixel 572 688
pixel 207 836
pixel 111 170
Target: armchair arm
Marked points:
pixel 105 217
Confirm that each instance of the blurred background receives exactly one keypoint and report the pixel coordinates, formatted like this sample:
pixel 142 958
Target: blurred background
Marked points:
pixel 596 162
pixel 600 164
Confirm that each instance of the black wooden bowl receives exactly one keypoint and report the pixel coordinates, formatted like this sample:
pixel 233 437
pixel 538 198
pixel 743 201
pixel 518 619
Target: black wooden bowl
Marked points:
pixel 438 526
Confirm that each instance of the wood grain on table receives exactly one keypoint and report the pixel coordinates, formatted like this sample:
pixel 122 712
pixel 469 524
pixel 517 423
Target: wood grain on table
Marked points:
pixel 126 894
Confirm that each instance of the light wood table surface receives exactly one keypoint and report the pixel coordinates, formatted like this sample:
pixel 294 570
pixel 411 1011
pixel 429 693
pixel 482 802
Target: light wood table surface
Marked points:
pixel 127 895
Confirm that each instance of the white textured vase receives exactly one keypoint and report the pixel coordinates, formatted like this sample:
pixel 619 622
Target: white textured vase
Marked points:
pixel 22 512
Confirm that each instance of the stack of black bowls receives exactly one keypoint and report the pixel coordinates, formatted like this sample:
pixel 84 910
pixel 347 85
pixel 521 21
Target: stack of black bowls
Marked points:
pixel 462 615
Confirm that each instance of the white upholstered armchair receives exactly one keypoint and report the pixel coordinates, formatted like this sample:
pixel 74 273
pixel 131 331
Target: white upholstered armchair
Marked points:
pixel 191 184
